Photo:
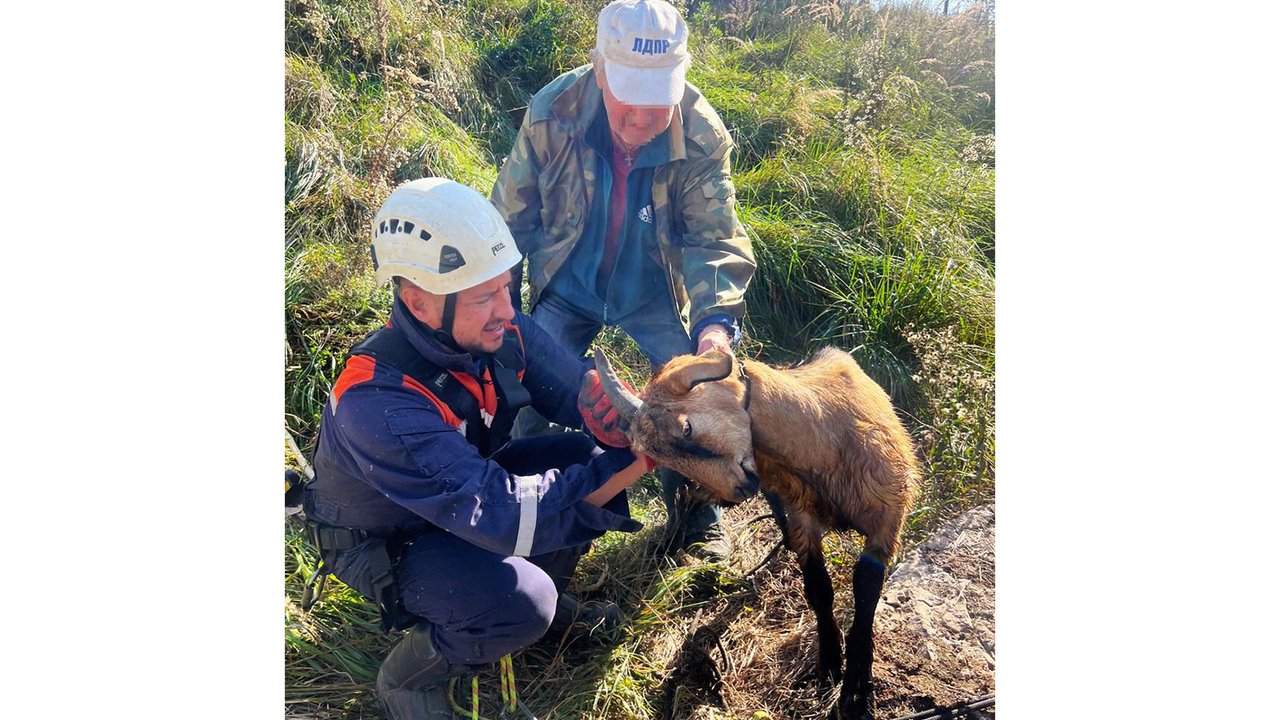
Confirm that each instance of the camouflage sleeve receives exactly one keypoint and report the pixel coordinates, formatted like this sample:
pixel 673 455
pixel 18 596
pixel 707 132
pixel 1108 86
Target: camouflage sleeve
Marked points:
pixel 516 195
pixel 718 262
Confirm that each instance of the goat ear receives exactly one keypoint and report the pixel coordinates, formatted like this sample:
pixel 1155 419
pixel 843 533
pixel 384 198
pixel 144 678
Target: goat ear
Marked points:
pixel 711 366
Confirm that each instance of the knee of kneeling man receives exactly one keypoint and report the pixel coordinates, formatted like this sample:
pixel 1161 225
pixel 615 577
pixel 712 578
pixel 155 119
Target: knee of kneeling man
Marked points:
pixel 533 605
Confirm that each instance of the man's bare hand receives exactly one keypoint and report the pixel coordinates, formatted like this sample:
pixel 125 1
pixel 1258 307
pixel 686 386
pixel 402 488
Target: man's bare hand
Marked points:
pixel 714 336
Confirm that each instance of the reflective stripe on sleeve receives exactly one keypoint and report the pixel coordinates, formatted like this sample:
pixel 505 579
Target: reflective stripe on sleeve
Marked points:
pixel 528 499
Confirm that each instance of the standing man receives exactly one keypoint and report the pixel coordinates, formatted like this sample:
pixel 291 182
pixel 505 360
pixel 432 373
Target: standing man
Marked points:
pixel 419 502
pixel 618 192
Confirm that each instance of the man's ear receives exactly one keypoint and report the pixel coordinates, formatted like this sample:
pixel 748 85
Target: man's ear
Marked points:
pixel 597 67
pixel 421 304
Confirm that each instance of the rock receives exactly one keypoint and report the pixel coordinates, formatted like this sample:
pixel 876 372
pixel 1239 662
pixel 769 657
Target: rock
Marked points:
pixel 935 629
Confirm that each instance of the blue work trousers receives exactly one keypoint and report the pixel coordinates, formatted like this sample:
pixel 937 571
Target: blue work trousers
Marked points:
pixel 660 336
pixel 483 604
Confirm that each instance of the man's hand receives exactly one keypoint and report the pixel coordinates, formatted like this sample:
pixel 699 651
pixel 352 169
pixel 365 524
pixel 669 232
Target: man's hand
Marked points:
pixel 599 414
pixel 714 336
pixel 620 481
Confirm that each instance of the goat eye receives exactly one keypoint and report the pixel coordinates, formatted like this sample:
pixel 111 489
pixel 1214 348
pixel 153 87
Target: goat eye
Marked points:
pixel 688 429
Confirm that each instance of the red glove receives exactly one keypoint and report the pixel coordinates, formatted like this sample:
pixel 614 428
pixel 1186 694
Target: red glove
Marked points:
pixel 600 416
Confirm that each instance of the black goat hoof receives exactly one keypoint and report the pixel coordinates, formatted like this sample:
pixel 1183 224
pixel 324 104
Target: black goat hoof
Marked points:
pixel 829 668
pixel 853 705
pixel 841 712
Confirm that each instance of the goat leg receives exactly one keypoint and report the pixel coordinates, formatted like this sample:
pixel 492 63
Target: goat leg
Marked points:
pixel 855 691
pixel 818 593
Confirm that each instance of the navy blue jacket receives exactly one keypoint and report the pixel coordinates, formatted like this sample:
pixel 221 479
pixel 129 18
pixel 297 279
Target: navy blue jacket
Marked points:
pixel 388 458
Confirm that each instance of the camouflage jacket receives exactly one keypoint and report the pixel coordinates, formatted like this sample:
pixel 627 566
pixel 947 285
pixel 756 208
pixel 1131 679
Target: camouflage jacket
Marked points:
pixel 547 183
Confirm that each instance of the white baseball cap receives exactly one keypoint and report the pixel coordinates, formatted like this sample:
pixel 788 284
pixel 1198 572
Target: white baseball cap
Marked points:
pixel 645 46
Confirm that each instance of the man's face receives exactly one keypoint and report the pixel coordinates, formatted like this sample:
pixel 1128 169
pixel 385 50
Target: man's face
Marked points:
pixel 481 315
pixel 635 125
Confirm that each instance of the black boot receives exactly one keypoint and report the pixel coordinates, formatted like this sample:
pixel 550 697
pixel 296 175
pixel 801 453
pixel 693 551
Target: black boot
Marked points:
pixel 413 683
pixel 693 520
pixel 592 618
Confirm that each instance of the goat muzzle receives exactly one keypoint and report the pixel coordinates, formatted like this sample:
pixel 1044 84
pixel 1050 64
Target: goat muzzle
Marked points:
pixel 627 404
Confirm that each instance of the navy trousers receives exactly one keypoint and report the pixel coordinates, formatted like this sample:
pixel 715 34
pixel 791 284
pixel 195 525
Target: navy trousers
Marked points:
pixel 483 604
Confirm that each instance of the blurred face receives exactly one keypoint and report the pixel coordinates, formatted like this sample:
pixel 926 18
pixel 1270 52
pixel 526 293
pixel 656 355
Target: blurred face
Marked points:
pixel 634 125
pixel 480 315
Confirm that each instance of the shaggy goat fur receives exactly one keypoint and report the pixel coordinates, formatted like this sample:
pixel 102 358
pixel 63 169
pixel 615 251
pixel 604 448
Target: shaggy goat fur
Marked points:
pixel 824 444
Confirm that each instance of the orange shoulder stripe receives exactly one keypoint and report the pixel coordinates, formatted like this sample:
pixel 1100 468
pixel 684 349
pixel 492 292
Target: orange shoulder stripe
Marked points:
pixel 486 400
pixel 359 369
pixel 448 415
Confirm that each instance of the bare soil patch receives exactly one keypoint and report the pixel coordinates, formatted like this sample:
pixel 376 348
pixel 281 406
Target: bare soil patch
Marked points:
pixel 752 652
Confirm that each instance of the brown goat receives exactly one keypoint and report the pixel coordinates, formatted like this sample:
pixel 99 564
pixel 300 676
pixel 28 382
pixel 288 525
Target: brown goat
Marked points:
pixel 821 440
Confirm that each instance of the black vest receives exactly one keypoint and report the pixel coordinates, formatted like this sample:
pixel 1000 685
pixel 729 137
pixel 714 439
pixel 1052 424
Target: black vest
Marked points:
pixel 504 368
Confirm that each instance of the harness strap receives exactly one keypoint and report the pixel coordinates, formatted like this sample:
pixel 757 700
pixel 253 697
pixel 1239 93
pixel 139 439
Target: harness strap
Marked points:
pixel 388 346
pixel 511 397
pixel 330 541
pixel 506 367
pixel 338 539
pixel 450 304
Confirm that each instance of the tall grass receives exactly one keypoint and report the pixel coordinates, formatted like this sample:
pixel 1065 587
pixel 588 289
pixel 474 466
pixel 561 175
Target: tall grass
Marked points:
pixel 865 173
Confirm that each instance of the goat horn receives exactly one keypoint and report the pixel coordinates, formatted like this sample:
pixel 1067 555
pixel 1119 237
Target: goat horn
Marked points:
pixel 627 404
pixel 711 366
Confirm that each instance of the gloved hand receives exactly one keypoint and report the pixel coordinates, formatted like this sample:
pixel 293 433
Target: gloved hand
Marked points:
pixel 600 415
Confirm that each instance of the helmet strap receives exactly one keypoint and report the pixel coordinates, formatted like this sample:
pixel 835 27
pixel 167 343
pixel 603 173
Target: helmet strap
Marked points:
pixel 446 320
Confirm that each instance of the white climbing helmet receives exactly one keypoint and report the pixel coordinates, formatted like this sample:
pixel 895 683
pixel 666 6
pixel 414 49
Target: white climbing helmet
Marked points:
pixel 442 236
